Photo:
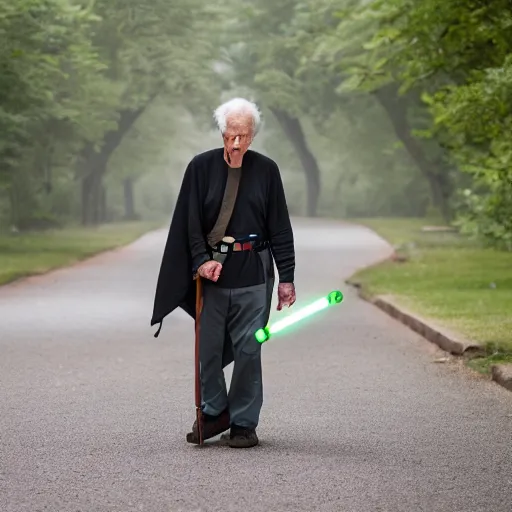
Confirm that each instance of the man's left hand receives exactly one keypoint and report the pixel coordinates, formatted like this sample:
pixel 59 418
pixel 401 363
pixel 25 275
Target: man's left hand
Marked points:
pixel 286 295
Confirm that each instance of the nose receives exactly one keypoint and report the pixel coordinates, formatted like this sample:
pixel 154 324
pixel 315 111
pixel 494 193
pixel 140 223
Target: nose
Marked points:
pixel 237 141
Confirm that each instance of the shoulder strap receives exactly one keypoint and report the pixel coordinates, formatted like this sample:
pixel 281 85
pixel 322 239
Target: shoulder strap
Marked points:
pixel 226 209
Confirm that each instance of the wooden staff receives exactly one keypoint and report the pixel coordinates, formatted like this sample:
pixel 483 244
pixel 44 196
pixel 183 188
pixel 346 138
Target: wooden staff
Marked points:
pixel 199 307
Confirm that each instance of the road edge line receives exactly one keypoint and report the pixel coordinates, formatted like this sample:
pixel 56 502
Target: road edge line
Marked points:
pixel 28 276
pixel 502 375
pixel 450 342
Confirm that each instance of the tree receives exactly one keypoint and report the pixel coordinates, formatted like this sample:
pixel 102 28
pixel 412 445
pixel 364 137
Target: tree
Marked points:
pixel 262 55
pixel 76 77
pixel 152 49
pixel 458 55
pixel 47 67
pixel 292 65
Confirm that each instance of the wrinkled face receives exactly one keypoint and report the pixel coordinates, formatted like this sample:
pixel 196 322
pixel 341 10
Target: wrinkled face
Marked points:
pixel 237 138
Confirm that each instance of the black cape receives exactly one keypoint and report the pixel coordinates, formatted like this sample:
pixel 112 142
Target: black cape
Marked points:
pixel 175 285
pixel 197 207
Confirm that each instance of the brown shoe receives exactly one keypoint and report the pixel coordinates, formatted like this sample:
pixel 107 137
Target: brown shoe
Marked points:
pixel 212 426
pixel 241 437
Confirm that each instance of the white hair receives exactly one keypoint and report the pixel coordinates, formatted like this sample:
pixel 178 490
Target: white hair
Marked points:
pixel 237 106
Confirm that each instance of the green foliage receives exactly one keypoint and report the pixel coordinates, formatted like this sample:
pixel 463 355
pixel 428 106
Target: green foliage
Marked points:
pixel 475 120
pixel 45 54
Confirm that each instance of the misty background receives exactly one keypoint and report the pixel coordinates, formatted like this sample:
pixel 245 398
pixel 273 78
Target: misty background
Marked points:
pixel 103 103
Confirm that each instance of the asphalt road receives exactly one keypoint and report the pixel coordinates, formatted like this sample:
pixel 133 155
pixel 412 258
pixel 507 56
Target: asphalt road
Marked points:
pixel 357 417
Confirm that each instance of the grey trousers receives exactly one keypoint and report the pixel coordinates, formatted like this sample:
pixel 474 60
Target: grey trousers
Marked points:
pixel 240 312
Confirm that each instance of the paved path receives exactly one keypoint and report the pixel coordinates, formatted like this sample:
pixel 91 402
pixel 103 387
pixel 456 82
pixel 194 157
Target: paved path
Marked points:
pixel 357 418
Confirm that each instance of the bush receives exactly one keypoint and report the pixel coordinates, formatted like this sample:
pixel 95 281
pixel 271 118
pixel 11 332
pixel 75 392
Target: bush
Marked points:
pixel 39 222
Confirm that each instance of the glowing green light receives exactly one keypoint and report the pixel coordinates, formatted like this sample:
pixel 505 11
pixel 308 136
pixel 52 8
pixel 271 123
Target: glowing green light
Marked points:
pixel 335 297
pixel 264 334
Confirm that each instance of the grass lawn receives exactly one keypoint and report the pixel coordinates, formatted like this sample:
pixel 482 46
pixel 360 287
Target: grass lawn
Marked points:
pixel 34 253
pixel 449 279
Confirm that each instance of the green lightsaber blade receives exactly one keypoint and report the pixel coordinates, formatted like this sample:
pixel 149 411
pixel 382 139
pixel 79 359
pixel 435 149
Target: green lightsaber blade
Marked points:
pixel 334 297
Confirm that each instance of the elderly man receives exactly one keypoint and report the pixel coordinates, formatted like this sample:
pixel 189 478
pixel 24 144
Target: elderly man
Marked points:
pixel 230 224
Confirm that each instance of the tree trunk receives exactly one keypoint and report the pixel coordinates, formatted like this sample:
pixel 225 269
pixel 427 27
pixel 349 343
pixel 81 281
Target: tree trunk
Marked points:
pixel 92 183
pixel 397 108
pixel 94 166
pixel 129 203
pixel 14 205
pixel 293 130
pixel 102 207
pixel 86 200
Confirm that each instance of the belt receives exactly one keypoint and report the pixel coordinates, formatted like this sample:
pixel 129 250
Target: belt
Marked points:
pixel 253 245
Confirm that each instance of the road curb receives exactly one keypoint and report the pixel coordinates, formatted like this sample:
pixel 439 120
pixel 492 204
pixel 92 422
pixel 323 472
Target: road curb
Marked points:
pixel 502 375
pixel 449 342
pixel 446 340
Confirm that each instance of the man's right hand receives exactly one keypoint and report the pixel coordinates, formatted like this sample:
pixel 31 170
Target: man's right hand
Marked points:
pixel 210 270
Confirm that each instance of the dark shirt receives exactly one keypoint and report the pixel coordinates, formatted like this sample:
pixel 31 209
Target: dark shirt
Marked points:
pixel 260 209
